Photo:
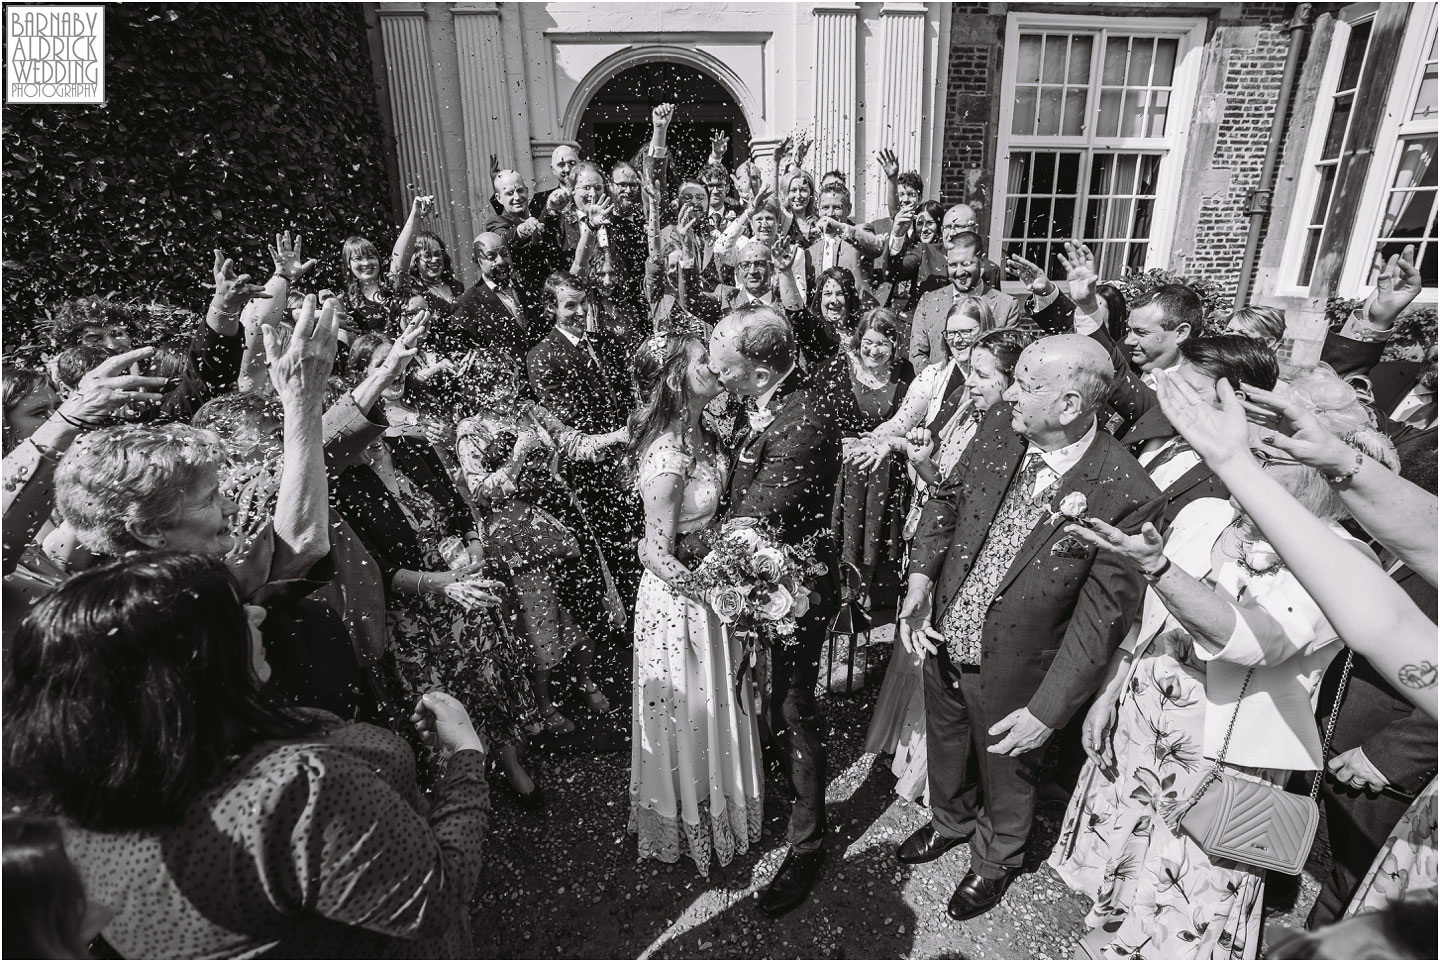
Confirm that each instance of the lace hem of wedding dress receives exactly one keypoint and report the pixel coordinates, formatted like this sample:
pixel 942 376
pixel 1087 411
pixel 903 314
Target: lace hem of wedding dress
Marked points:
pixel 658 836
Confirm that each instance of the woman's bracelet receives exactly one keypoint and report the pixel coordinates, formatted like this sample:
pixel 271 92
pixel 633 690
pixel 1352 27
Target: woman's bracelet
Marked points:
pixel 1158 573
pixel 288 279
pixel 1346 476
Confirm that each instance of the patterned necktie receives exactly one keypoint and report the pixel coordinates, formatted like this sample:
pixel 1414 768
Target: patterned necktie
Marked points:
pixel 1019 512
pixel 1174 449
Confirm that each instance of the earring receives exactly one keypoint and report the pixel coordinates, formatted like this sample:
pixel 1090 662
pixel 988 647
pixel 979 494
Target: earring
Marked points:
pixel 163 542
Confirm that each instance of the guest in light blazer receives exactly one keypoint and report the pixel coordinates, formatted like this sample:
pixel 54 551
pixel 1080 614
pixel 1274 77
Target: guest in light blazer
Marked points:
pixel 966 264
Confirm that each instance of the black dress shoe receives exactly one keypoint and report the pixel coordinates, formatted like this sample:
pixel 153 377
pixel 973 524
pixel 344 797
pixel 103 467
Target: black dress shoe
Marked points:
pixel 976 895
pixel 792 883
pixel 926 845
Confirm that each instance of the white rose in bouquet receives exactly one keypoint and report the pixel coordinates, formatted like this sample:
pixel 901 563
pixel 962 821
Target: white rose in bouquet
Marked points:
pixel 768 564
pixel 776 606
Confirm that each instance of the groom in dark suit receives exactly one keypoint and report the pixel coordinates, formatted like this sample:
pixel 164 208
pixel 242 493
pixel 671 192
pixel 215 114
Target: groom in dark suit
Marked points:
pixel 787 463
pixel 1019 619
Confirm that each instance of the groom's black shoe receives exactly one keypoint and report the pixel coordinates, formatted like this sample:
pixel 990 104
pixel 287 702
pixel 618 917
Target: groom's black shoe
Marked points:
pixel 977 895
pixel 792 883
pixel 926 845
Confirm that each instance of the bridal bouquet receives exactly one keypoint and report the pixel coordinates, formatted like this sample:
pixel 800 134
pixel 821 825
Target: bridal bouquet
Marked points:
pixel 754 582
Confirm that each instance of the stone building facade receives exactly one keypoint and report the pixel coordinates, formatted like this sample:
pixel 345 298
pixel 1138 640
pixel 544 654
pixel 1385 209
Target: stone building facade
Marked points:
pixel 1141 128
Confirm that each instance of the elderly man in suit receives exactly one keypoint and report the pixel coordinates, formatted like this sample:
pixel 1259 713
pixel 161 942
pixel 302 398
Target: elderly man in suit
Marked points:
pixel 493 310
pixel 965 262
pixel 1018 618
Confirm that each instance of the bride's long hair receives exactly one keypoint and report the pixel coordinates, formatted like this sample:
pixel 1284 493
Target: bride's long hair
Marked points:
pixel 659 373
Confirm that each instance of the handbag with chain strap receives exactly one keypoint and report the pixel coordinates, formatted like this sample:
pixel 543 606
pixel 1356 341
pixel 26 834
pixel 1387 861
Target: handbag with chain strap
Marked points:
pixel 1251 822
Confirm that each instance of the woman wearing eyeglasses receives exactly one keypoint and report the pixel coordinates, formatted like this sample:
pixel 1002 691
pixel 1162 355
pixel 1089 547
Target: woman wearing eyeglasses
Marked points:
pixel 937 391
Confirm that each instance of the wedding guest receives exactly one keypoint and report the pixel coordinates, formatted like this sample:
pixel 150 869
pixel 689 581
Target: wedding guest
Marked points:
pixel 841 244
pixel 494 310
pixel 965 263
pixel 1366 607
pixel 1228 641
pixel 830 319
pixel 225 824
pixel 564 164
pixel 799 218
pixel 897 724
pixel 1264 324
pixel 433 275
pixel 1025 617
pixel 936 393
pixel 696 775
pixel 45 907
pixel 870 505
pixel 1160 321
pixel 509 449
pixel 914 259
pixel 375 302
pixel 579 376
pixel 525 238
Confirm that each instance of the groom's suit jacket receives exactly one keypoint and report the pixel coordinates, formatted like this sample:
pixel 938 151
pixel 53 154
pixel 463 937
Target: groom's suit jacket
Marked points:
pixel 787 473
pixel 1054 621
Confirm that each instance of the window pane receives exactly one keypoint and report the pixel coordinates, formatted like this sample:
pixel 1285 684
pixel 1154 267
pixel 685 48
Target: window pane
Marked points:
pixel 1015 223
pixel 1108 123
pixel 1142 52
pixel 1417 164
pixel 1064 218
pixel 1132 114
pixel 1335 133
pixel 1354 55
pixel 1144 213
pixel 1027 64
pixel 1159 112
pixel 1125 165
pixel 1024 122
pixel 1149 173
pixel 1072 122
pixel 1427 265
pixel 1120 218
pixel 1312 252
pixel 1080 60
pixel 1116 52
pixel 1048 123
pixel 1044 174
pixel 1019 172
pixel 1094 213
pixel 1068 174
pixel 1101 168
pixel 1165 51
pixel 1054 71
pixel 1407 213
pixel 1322 196
pixel 1039 223
pixel 1425 100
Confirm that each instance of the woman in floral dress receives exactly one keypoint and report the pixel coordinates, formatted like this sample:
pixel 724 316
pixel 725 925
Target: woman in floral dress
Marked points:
pixel 1223 617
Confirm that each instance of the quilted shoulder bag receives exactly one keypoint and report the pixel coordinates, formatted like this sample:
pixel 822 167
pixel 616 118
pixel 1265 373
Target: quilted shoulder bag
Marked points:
pixel 1254 823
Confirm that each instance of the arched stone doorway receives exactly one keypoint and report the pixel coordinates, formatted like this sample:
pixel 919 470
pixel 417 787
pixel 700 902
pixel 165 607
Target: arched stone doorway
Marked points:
pixel 615 125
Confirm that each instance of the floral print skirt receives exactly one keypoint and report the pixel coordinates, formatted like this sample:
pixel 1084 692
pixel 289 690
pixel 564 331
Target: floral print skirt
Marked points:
pixel 1406 865
pixel 1156 894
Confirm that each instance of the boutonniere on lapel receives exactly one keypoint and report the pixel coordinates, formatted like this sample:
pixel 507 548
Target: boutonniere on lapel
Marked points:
pixel 1071 510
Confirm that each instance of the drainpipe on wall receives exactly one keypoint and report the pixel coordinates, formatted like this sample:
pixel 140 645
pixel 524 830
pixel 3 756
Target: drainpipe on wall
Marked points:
pixel 1258 203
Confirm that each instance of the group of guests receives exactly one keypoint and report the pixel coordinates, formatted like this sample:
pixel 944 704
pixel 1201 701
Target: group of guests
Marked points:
pixel 275 586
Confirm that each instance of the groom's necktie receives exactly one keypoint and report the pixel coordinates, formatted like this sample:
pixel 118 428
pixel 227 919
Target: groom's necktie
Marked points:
pixel 1019 512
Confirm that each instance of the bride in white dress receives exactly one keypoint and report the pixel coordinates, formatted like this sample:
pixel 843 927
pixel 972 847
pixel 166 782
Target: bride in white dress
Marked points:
pixel 695 767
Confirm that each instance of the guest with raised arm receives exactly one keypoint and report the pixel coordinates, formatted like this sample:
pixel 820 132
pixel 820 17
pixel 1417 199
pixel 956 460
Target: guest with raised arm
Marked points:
pixel 374 302
pixel 1367 608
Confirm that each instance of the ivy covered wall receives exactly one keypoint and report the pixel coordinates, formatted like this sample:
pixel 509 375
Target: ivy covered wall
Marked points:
pixel 223 124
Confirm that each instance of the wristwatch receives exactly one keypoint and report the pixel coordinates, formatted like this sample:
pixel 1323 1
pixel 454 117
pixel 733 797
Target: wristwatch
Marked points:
pixel 1158 573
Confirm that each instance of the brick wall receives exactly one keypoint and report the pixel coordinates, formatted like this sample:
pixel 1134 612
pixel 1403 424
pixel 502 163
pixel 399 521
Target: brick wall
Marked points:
pixel 1249 75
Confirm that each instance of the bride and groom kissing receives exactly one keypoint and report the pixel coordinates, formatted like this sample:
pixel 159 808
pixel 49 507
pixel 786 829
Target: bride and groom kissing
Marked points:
pixel 697 772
